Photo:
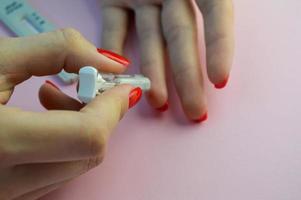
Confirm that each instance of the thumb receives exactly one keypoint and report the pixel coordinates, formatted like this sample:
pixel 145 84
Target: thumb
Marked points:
pixel 110 106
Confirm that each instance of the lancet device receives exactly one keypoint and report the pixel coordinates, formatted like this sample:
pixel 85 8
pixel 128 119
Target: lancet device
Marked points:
pixel 24 20
pixel 92 83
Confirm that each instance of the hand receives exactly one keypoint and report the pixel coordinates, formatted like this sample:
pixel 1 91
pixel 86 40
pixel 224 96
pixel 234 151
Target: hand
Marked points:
pixel 174 21
pixel 40 152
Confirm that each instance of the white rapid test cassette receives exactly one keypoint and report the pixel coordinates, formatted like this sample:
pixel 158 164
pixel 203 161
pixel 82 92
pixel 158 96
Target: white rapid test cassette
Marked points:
pixel 23 20
pixel 91 82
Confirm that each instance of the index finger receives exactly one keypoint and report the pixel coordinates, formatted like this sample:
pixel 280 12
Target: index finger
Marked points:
pixel 49 53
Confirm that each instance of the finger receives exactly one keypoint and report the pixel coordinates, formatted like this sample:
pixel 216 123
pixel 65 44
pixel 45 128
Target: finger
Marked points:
pixel 52 98
pixel 29 178
pixel 42 192
pixel 218 19
pixel 57 136
pixel 49 53
pixel 179 27
pixel 151 43
pixel 114 29
pixel 110 106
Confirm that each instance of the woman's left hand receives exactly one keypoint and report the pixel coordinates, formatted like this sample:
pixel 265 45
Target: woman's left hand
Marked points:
pixel 174 21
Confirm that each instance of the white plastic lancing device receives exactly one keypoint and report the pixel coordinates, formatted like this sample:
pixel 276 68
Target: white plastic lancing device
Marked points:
pixel 91 82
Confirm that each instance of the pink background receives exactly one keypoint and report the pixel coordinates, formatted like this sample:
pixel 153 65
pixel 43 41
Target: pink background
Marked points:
pixel 250 148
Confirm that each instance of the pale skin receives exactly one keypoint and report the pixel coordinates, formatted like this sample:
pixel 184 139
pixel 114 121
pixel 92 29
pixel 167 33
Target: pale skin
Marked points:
pixel 40 152
pixel 170 26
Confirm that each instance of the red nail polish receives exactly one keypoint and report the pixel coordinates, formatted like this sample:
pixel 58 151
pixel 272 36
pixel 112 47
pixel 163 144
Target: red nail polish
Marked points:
pixel 222 84
pixel 114 56
pixel 52 84
pixel 163 108
pixel 202 119
pixel 134 96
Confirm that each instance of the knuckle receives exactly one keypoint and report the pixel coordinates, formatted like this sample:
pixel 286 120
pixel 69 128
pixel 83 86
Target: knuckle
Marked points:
pixel 98 141
pixel 93 134
pixel 148 33
pixel 176 31
pixel 150 63
pixel 96 137
pixel 182 72
pixel 71 32
pixel 71 36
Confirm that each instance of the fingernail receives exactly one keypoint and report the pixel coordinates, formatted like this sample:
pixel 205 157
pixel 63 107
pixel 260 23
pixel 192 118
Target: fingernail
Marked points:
pixel 52 84
pixel 202 118
pixel 164 107
pixel 222 84
pixel 134 96
pixel 114 56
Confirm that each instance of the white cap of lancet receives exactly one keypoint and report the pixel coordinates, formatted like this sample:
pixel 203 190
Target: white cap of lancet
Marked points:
pixel 91 82
pixel 88 84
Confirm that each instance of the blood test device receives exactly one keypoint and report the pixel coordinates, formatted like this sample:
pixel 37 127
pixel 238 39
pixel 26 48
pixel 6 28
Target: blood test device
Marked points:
pixel 92 82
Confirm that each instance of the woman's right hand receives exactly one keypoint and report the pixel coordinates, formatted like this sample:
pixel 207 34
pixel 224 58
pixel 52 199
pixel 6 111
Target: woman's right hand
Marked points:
pixel 39 152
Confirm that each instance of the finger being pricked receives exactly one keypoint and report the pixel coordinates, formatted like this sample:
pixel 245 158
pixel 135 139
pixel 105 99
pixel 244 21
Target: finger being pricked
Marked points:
pixel 60 136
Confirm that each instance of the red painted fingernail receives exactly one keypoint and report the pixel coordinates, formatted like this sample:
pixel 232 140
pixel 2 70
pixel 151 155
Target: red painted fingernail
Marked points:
pixel 52 84
pixel 163 108
pixel 134 96
pixel 114 56
pixel 202 119
pixel 222 84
